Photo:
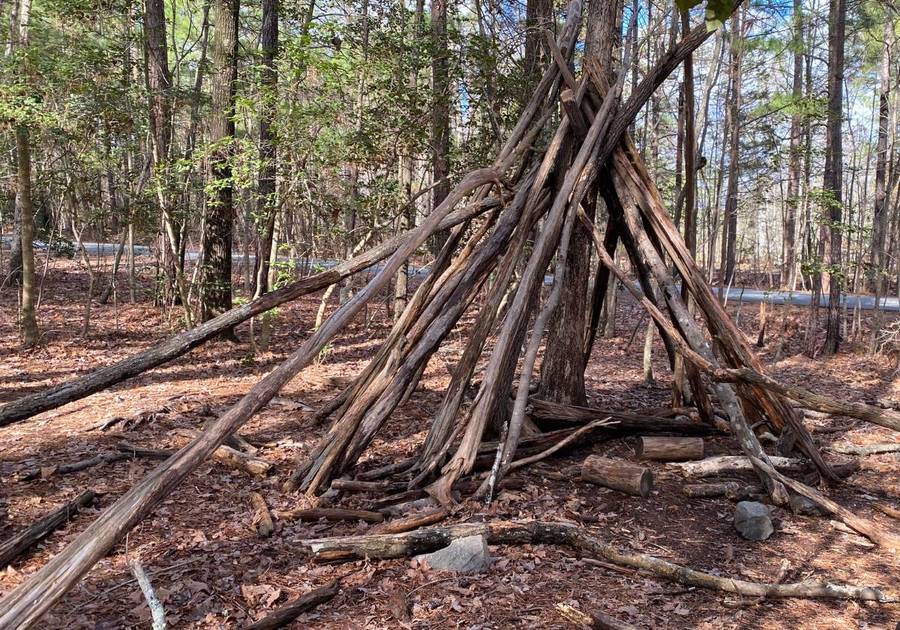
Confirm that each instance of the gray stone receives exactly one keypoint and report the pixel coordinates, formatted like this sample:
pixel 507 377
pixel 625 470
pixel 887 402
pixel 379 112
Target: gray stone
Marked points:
pixel 801 505
pixel 753 520
pixel 463 555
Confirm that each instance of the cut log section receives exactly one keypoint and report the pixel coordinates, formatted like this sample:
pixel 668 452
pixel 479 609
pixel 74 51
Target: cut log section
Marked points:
pixel 23 541
pixel 670 449
pixel 618 475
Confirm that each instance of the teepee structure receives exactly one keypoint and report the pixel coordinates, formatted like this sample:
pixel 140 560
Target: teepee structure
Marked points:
pixel 508 224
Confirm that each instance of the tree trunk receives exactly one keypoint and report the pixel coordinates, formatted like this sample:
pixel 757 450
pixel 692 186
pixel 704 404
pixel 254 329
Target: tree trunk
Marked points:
pixel 565 359
pixel 729 243
pixel 440 113
pixel 266 200
pixel 218 212
pixel 24 206
pixel 832 184
pixel 792 203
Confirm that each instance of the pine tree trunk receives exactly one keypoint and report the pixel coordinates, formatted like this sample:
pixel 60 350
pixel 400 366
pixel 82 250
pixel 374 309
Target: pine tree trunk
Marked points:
pixel 266 201
pixel 215 291
pixel 562 369
pixel 832 184
pixel 440 113
pixel 792 203
pixel 729 243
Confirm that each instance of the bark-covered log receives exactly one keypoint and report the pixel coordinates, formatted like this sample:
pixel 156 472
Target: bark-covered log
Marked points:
pixel 282 616
pixel 548 413
pixel 383 547
pixel 24 540
pixel 333 514
pixel 233 457
pixel 869 449
pixel 411 522
pixel 618 475
pixel 731 490
pixel 670 449
pixel 730 464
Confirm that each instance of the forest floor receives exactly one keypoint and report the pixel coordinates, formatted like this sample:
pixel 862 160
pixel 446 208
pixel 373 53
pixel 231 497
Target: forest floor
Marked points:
pixel 212 571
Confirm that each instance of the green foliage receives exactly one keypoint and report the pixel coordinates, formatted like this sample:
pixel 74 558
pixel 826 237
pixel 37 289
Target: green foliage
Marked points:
pixel 717 11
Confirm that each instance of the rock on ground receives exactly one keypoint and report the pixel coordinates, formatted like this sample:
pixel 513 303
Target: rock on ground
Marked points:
pixel 463 555
pixel 753 520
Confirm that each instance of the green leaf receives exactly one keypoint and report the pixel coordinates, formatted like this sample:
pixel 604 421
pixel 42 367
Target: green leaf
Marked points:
pixel 686 5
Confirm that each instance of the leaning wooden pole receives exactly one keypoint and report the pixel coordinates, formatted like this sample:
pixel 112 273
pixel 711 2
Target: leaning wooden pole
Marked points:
pixel 23 606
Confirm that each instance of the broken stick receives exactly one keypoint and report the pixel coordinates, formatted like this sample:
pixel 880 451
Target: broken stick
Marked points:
pixel 262 518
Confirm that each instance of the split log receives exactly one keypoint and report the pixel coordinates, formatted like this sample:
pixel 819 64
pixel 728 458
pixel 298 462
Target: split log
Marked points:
pixel 333 514
pixel 864 526
pixel 233 457
pixel 411 522
pixel 262 518
pixel 282 616
pixel 731 490
pixel 384 546
pixel 23 541
pixel 870 449
pixel 618 475
pixel 730 464
pixel 670 449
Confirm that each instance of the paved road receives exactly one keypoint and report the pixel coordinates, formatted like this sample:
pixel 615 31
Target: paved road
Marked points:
pixel 746 295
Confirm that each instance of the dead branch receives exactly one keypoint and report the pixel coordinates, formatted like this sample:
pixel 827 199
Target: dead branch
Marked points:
pixel 25 540
pixel 157 612
pixel 284 615
pixel 386 546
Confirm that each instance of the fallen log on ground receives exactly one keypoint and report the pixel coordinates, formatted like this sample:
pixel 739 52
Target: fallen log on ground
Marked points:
pixel 730 464
pixel 625 422
pixel 670 449
pixel 65 469
pixel 870 449
pixel 731 490
pixel 411 522
pixel 864 526
pixel 595 620
pixel 388 546
pixel 233 457
pixel 332 514
pixel 30 536
pixel 126 451
pixel 618 475
pixel 284 615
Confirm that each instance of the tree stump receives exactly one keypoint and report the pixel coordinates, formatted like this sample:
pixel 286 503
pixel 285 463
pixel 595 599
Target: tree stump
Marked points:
pixel 618 475
pixel 670 449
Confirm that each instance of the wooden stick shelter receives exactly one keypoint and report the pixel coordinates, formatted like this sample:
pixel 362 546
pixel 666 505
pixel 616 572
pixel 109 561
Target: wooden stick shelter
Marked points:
pixel 520 214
